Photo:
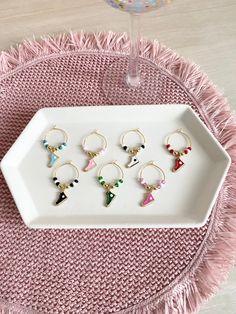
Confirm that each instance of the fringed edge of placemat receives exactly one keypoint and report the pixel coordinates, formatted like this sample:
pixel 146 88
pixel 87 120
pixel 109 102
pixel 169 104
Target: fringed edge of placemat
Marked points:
pixel 217 253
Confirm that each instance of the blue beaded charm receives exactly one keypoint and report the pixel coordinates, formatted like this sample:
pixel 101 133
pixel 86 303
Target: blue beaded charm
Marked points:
pixel 54 149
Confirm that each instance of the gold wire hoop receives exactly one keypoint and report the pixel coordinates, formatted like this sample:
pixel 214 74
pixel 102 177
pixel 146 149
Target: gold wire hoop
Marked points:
pixel 114 163
pixel 55 128
pixel 104 140
pixel 141 135
pixel 70 163
pixel 181 132
pixel 152 164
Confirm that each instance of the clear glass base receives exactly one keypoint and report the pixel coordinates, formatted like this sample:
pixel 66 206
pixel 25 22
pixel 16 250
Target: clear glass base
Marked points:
pixel 119 89
pixel 133 81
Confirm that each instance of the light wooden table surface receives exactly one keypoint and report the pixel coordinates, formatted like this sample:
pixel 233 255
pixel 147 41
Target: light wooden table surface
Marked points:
pixel 203 31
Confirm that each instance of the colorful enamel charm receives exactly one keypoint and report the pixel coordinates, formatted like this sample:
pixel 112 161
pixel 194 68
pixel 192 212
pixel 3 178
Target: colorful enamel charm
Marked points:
pixel 64 186
pixel 52 159
pixel 109 198
pixel 133 161
pixel 53 156
pixel 93 154
pixel 133 151
pixel 149 198
pixel 91 164
pixel 109 195
pixel 62 197
pixel 178 163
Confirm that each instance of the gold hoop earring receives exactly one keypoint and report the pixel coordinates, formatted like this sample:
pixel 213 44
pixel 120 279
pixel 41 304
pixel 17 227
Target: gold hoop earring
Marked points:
pixel 109 186
pixel 149 198
pixel 133 151
pixel 65 185
pixel 178 153
pixel 93 154
pixel 53 157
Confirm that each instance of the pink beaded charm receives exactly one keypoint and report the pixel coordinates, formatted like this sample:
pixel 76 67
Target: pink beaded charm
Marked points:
pixel 93 154
pixel 149 198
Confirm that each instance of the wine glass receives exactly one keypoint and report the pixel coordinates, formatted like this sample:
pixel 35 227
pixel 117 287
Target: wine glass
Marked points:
pixel 128 76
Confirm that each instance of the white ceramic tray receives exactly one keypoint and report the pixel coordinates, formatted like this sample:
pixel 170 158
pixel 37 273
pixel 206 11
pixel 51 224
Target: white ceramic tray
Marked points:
pixel 185 201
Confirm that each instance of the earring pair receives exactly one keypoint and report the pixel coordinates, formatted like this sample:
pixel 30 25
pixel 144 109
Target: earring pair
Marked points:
pixel 109 186
pixel 54 149
pixel 132 151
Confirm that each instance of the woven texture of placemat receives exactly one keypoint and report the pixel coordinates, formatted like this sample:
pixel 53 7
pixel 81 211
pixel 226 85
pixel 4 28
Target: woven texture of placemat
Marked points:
pixel 117 270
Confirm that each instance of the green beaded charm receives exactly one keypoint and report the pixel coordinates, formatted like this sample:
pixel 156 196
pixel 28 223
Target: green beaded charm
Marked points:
pixel 109 196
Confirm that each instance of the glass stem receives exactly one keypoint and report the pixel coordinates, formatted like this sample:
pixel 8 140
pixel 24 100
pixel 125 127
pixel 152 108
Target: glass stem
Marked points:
pixel 133 76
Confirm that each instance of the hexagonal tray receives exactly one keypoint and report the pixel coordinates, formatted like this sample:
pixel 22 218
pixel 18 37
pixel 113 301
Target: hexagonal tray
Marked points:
pixel 185 201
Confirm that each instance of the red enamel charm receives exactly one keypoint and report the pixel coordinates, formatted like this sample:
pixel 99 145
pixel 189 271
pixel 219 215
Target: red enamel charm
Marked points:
pixel 178 164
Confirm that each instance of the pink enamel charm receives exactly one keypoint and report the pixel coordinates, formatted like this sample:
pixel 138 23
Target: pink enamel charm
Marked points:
pixel 91 165
pixel 148 199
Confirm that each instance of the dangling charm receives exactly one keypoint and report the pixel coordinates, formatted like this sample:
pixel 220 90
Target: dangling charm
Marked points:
pixel 149 198
pixel 179 153
pixel 133 151
pixel 178 164
pixel 53 157
pixel 109 195
pixel 64 186
pixel 93 154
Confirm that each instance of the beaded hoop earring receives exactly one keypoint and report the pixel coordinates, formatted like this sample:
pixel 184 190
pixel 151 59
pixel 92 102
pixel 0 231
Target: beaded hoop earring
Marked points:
pixel 149 198
pixel 93 154
pixel 66 185
pixel 133 151
pixel 53 157
pixel 109 186
pixel 179 153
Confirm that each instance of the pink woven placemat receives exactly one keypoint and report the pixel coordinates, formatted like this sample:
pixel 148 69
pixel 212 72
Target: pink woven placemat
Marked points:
pixel 108 271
